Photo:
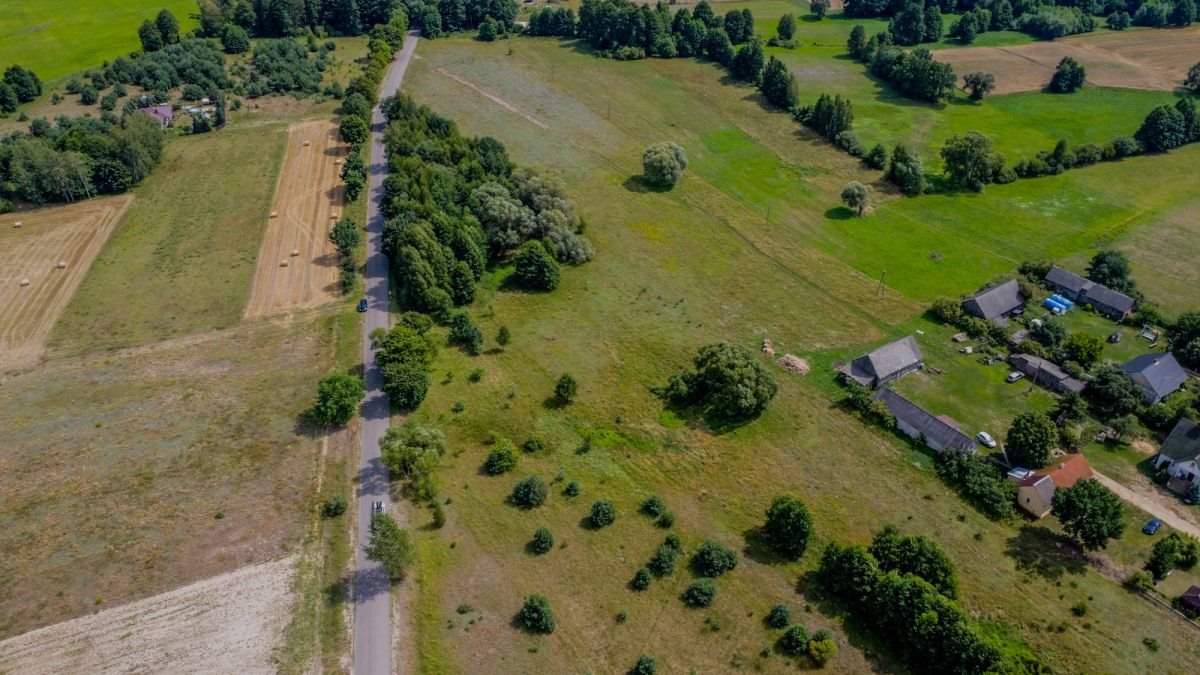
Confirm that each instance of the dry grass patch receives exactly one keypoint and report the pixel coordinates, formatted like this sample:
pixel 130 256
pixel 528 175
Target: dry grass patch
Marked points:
pixel 71 235
pixel 297 265
pixel 1137 59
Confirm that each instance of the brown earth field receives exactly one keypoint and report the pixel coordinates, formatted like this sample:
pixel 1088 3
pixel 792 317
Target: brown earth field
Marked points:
pixel 69 234
pixel 1152 58
pixel 307 201
pixel 133 472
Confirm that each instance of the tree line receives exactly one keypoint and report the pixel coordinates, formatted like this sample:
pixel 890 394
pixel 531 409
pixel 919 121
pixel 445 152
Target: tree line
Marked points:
pixel 286 18
pixel 454 204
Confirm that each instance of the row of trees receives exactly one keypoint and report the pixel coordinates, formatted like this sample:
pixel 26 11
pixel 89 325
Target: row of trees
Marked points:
pixel 624 29
pixel 284 18
pixel 454 203
pixel 436 19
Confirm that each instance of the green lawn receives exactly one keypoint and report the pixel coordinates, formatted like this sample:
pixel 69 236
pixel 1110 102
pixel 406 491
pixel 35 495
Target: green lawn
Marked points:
pixel 748 246
pixel 58 37
pixel 182 258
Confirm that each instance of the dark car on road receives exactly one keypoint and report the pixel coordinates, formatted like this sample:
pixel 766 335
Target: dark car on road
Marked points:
pixel 362 305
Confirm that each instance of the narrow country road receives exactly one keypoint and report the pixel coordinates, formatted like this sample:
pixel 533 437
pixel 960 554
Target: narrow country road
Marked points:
pixel 372 600
pixel 1153 504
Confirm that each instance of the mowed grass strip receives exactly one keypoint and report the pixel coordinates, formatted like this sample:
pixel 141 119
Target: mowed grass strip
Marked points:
pixel 183 257
pixel 58 37
pixel 674 271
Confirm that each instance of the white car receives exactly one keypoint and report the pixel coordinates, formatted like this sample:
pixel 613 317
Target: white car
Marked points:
pixel 985 439
pixel 1014 376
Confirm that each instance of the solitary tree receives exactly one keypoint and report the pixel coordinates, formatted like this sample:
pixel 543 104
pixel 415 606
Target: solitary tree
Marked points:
pixel 503 336
pixel 338 395
pixel 728 380
pixel 856 196
pixel 536 616
pixel 1068 76
pixel 713 559
pixel 663 163
pixel 787 26
pixel 501 459
pixel 1193 78
pixel 1030 439
pixel 603 514
pixel 645 666
pixel 979 84
pixel 971 160
pixel 906 170
pixel 1083 349
pixel 389 546
pixel 566 388
pixel 542 542
pixel 819 8
pixel 788 526
pixel 1089 513
pixel 529 493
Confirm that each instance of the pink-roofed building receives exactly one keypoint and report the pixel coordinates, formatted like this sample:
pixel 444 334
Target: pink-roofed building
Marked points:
pixel 160 113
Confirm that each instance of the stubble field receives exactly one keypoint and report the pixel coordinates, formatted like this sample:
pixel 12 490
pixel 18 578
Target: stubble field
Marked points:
pixel 308 200
pixel 65 234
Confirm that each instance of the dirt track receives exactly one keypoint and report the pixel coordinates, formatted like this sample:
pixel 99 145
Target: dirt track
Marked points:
pixel 72 234
pixel 227 624
pixel 309 192
pixel 1136 59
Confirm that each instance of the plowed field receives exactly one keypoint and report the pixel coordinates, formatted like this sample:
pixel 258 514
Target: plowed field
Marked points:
pixel 310 192
pixel 68 234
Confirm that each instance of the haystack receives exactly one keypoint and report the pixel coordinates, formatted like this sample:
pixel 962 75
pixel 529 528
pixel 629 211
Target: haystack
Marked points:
pixel 25 281
pixel 18 224
pixel 768 348
pixel 306 144
pixel 62 265
pixel 274 214
pixel 793 364
pixel 283 263
pixel 295 252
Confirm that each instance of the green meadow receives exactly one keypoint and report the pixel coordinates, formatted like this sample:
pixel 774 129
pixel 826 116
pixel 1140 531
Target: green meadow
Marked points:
pixel 752 244
pixel 59 37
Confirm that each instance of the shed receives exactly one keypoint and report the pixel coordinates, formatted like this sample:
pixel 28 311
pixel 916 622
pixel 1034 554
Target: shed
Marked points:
pixel 885 363
pixel 915 422
pixel 1157 375
pixel 996 303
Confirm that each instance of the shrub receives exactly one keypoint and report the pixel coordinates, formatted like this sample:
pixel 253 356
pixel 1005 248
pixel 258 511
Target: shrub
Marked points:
pixel 465 333
pixel 536 616
pixel 338 396
pixel 779 616
pixel 533 445
pixel 536 269
pixel 713 559
pixel 439 516
pixel 542 541
pixel 644 666
pixel 476 375
pixel 654 506
pixel 663 164
pixel 503 336
pixel 603 514
pixel 641 579
pixel 334 506
pixel 788 526
pixel 529 493
pixel 572 489
pixel 565 389
pixel 502 458
pixel 729 382
pixel 665 520
pixel 822 652
pixel 794 641
pixel 1080 608
pixel 664 560
pixel 700 593
pixel 877 158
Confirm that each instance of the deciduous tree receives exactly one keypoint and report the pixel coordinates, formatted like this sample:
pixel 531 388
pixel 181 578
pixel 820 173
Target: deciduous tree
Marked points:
pixel 389 546
pixel 1030 439
pixel 1089 513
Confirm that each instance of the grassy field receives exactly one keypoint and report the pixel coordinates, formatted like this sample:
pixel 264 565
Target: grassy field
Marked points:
pixel 130 473
pixel 60 37
pixel 748 246
pixel 183 257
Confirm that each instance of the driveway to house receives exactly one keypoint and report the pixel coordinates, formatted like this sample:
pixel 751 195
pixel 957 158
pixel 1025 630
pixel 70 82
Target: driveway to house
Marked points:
pixel 1166 509
pixel 372 597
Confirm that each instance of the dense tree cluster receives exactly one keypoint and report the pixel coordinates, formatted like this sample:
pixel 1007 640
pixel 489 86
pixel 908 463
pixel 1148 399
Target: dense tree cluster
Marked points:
pixel 18 86
pixel 624 29
pixel 161 32
pixel 915 555
pixel 285 18
pixel 404 356
pixel 914 73
pixel 412 453
pixel 195 62
pixel 552 22
pixel 1184 337
pixel 282 66
pixel 924 627
pixel 78 158
pixel 979 482
pixel 1168 127
pixel 1173 551
pixel 728 381
pixel 454 202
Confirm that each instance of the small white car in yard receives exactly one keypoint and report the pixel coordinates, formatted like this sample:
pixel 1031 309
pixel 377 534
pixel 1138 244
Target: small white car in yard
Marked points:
pixel 985 439
pixel 1014 376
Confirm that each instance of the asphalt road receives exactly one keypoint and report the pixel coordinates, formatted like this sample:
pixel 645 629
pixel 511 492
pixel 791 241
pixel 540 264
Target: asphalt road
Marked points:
pixel 372 601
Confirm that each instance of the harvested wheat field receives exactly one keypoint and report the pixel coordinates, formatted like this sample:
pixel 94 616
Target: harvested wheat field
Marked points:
pixel 1156 58
pixel 227 624
pixel 297 265
pixel 34 288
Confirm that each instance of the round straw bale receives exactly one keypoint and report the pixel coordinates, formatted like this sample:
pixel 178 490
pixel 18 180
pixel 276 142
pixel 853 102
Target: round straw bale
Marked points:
pixel 25 281
pixel 283 263
pixel 62 264
pixel 18 224
pixel 295 252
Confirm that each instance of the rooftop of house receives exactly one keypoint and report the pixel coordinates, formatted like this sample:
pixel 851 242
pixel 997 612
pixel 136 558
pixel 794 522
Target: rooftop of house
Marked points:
pixel 1162 372
pixel 1183 444
pixel 1095 293
pixel 926 424
pixel 885 361
pixel 995 302
pixel 1064 472
pixel 1048 368
pixel 1067 279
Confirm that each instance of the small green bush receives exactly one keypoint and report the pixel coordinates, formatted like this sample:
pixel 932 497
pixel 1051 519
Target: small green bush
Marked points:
pixel 536 615
pixel 476 375
pixel 542 542
pixel 700 593
pixel 502 458
pixel 644 666
pixel 565 389
pixel 572 489
pixel 712 559
pixel 533 445
pixel 641 579
pixel 794 641
pixel 334 506
pixel 664 560
pixel 529 493
pixel 604 513
pixel 654 506
pixel 1080 608
pixel 666 520
pixel 674 541
pixel 779 616
pixel 821 652
pixel 439 516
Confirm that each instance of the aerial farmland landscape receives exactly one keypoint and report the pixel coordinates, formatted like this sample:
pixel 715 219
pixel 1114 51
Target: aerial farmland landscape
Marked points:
pixel 596 336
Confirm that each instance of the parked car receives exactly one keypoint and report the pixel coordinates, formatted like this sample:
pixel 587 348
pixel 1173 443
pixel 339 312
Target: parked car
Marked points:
pixel 1014 376
pixel 985 439
pixel 1152 526
pixel 376 507
pixel 362 305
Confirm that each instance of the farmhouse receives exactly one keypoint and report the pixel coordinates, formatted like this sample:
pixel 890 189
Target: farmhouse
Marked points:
pixel 1157 375
pixel 885 364
pixel 1046 373
pixel 1103 299
pixel 159 113
pixel 939 433
pixel 1036 492
pixel 1180 456
pixel 996 303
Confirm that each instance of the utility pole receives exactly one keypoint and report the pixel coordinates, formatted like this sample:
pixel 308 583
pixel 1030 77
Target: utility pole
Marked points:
pixel 880 288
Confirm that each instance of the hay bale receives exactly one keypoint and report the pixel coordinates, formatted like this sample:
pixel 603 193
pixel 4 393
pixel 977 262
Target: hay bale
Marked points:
pixel 295 252
pixel 25 281
pixel 306 144
pixel 283 263
pixel 18 224
pixel 337 162
pixel 62 264
pixel 333 215
pixel 274 214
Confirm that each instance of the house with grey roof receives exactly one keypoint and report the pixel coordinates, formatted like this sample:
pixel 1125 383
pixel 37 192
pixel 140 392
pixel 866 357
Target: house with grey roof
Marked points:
pixel 1157 375
pixel 939 433
pixel 1113 304
pixel 996 303
pixel 1180 456
pixel 885 364
pixel 1046 373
